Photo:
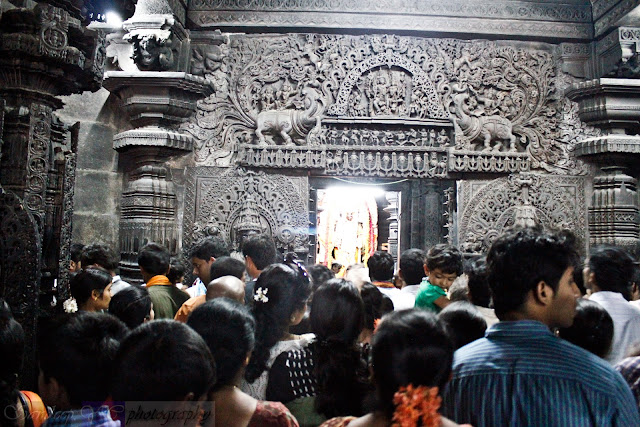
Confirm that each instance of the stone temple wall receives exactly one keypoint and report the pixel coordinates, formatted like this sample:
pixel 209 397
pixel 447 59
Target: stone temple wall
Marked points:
pixel 477 134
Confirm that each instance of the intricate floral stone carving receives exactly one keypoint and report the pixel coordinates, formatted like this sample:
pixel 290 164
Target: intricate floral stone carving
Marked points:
pixel 487 208
pixel 233 202
pixel 20 249
pixel 392 91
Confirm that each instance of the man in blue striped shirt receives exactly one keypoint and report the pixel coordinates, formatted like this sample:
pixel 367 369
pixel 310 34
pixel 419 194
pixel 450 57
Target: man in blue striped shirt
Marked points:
pixel 520 374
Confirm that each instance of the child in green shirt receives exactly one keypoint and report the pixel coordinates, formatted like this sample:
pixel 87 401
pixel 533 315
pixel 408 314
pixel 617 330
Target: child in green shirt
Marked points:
pixel 442 266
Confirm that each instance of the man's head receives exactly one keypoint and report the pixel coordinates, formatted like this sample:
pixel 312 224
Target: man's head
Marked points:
pixel 100 255
pixel 380 266
pixel 530 273
pixel 153 260
pixel 177 269
pixel 412 266
pixel 76 355
pixel 479 292
pixel 226 286
pixel 76 254
pixel 163 361
pixel 259 252
pixel 204 252
pixel 443 264
pixel 609 268
pixel 227 266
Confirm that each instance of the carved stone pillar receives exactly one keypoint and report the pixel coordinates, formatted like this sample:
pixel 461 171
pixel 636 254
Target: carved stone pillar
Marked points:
pixel 155 102
pixel 46 51
pixel 613 104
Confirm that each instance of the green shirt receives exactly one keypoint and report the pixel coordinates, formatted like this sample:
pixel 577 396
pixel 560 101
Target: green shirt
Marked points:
pixel 167 300
pixel 427 295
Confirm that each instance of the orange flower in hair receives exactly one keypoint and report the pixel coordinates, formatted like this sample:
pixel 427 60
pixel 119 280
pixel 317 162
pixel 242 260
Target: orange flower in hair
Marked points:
pixel 415 404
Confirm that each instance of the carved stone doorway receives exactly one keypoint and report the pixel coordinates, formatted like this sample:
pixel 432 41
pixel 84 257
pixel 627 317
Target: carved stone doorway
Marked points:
pixel 412 213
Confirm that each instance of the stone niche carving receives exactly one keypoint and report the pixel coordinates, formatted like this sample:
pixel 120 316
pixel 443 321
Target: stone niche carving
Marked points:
pixel 487 208
pixel 491 102
pixel 235 202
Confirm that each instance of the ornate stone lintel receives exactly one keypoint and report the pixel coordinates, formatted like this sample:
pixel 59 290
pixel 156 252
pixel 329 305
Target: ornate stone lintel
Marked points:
pixel 620 146
pixel 612 104
pixel 492 162
pixel 415 162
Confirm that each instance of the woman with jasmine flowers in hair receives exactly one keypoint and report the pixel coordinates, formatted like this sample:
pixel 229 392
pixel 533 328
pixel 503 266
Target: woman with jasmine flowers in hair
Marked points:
pixel 411 359
pixel 279 301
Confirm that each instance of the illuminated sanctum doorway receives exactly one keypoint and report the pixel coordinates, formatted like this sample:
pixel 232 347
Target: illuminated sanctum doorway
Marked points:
pixel 353 221
pixel 350 218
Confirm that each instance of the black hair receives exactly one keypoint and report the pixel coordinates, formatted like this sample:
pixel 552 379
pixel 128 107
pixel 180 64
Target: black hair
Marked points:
pixel 209 246
pixel 412 266
pixel 375 305
pixel 78 350
pixel 88 280
pixel 613 269
pixel 132 305
pixel 100 255
pixel 447 258
pixel 155 259
pixel 409 347
pixel 592 328
pixel 12 350
pixel 178 267
pixel 76 251
pixel 478 284
pixel 465 322
pixel 162 361
pixel 262 250
pixel 228 329
pixel 523 257
pixel 578 278
pixel 319 275
pixel 337 318
pixel 286 290
pixel 226 266
pixel 380 266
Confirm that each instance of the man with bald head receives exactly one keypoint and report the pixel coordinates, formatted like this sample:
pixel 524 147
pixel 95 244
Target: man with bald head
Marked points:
pixel 224 267
pixel 226 286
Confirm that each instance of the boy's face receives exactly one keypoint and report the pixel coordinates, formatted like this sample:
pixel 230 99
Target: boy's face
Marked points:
pixel 440 279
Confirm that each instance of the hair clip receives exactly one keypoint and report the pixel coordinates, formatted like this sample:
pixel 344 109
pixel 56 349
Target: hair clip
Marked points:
pixel 261 295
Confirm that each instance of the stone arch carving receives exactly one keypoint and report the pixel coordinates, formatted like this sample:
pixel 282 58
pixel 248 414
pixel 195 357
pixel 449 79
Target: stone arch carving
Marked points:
pixel 389 59
pixel 488 208
pixel 236 201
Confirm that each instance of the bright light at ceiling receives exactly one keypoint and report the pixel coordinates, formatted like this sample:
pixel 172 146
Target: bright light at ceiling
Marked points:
pixel 113 19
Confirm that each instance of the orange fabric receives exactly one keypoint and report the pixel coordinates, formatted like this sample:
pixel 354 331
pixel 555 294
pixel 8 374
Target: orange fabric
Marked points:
pixel 37 410
pixel 187 308
pixel 386 285
pixel 159 281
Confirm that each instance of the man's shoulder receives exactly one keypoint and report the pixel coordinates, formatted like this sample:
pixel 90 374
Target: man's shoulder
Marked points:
pixel 545 357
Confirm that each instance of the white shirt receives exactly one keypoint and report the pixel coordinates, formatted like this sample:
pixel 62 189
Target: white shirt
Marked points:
pixel 411 290
pixel 117 284
pixel 626 323
pixel 489 315
pixel 400 300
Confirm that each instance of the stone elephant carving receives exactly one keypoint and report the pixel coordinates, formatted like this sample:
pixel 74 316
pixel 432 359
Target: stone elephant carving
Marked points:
pixel 484 129
pixel 290 124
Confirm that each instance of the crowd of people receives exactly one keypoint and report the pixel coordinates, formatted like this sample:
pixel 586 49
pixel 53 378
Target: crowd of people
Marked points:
pixel 530 333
